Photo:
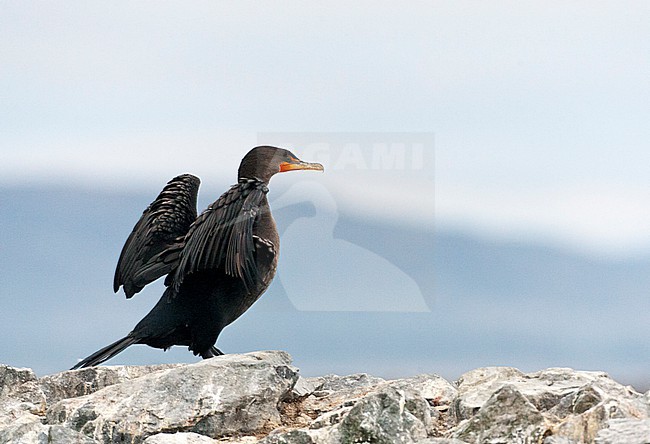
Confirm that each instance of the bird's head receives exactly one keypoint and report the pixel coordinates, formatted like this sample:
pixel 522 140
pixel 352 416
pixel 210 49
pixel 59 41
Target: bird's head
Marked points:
pixel 263 162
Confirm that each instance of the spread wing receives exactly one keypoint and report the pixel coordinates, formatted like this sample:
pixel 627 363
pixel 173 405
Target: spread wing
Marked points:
pixel 222 237
pixel 153 247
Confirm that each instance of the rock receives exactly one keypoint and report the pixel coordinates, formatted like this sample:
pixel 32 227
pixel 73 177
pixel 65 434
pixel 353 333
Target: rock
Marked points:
pixel 562 382
pixel 36 433
pixel 574 404
pixel 179 438
pixel 625 431
pixel 384 418
pixel 12 380
pixel 543 389
pixel 585 426
pixel 559 440
pixel 293 437
pixel 591 407
pixel 508 417
pixel 259 398
pixel 63 435
pixel 349 384
pixel 306 386
pixel 442 441
pixel 436 390
pixel 233 394
pixel 336 395
pixel 329 419
pixel 24 429
pixel 75 383
pixel 384 414
pixel 20 395
pixel 440 396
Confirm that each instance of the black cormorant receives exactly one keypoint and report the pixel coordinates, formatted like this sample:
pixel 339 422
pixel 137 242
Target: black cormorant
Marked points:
pixel 217 264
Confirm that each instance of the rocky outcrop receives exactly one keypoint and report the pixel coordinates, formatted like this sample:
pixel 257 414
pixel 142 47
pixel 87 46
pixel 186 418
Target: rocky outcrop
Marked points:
pixel 259 398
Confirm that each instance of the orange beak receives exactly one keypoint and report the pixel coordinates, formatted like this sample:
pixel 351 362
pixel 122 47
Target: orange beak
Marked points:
pixel 297 164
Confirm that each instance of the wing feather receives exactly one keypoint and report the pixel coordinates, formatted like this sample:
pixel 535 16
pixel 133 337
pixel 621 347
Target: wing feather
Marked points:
pixel 153 247
pixel 222 237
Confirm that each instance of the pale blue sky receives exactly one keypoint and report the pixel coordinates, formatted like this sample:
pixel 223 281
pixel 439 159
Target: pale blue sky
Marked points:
pixel 540 110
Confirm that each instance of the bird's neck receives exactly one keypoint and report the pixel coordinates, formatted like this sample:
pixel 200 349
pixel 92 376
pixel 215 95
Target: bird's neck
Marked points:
pixel 251 179
pixel 255 181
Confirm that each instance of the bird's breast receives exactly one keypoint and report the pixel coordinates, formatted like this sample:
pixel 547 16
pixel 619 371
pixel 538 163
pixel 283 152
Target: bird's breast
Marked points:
pixel 267 243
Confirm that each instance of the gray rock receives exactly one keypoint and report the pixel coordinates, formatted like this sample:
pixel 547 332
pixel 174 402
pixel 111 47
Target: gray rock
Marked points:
pixel 306 386
pixel 560 440
pixel 339 392
pixel 27 430
pixel 36 433
pixel 507 417
pixel 293 437
pixel 579 401
pixel 227 395
pixel 435 389
pixel 336 398
pixel 273 357
pixel 442 441
pixel 625 431
pixel 12 379
pixel 586 426
pixel 239 440
pixel 575 404
pixel 351 383
pixel 543 389
pixel 179 438
pixel 75 383
pixel 20 395
pixel 329 419
pixel 477 386
pixel 260 399
pixel 385 417
pixel 593 406
pixel 62 435
pixel 563 382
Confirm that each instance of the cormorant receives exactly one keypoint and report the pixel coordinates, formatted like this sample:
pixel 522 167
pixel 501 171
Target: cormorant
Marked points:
pixel 217 264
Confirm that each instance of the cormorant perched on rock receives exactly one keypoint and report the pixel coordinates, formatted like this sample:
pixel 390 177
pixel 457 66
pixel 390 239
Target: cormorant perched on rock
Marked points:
pixel 217 264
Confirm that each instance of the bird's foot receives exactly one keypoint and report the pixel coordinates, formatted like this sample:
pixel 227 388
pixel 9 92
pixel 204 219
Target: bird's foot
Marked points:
pixel 211 353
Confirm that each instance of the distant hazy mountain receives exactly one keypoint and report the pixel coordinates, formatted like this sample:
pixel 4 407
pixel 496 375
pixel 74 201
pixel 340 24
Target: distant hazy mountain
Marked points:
pixel 490 302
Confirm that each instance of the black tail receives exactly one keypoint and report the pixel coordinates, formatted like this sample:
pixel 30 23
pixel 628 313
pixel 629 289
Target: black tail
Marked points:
pixel 106 353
